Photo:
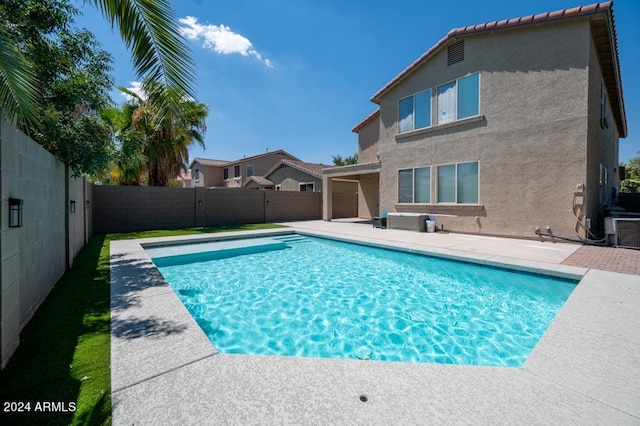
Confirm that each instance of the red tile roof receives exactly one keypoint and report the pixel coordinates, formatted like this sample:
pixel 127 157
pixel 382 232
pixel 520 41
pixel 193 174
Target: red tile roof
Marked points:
pixel 260 180
pixel 614 86
pixel 313 169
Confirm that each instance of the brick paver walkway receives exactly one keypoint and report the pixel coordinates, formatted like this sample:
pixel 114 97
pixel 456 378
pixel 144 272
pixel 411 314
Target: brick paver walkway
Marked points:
pixel 625 261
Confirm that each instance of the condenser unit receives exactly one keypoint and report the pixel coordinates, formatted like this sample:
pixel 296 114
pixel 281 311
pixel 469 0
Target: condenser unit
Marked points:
pixel 622 231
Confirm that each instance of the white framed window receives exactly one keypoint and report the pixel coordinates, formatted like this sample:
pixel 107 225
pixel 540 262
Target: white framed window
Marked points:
pixel 414 185
pixel 196 175
pixel 414 112
pixel 458 183
pixel 306 186
pixel 249 170
pixel 278 187
pixel 458 99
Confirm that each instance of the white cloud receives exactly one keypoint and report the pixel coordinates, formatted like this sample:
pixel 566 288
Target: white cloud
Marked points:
pixel 220 39
pixel 135 87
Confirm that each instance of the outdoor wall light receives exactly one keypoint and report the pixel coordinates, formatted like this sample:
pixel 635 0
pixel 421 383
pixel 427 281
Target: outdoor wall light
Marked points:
pixel 72 206
pixel 88 204
pixel 15 213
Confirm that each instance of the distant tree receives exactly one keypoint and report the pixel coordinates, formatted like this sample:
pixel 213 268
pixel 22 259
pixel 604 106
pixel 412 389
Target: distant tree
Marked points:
pixel 631 183
pixel 339 161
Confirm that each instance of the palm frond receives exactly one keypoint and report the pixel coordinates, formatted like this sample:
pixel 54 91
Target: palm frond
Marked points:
pixel 18 83
pixel 150 29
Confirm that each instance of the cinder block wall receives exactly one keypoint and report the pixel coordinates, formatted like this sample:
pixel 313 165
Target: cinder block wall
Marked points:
pixel 32 256
pixel 284 206
pixel 136 208
pixel 130 208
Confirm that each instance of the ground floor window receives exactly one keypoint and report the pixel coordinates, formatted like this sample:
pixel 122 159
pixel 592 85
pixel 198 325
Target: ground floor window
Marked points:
pixel 414 185
pixel 458 183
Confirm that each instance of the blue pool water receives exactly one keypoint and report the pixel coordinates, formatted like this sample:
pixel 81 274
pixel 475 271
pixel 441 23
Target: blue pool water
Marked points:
pixel 305 296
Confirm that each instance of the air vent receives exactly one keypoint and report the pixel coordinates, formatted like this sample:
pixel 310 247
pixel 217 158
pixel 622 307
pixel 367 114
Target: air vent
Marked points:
pixel 455 52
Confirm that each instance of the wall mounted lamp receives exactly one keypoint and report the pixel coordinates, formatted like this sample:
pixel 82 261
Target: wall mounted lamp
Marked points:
pixel 72 206
pixel 15 212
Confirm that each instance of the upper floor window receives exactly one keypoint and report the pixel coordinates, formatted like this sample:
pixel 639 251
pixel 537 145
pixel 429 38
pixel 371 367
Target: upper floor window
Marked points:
pixel 307 187
pixel 196 174
pixel 458 183
pixel 236 171
pixel 225 173
pixel 249 170
pixel 459 99
pixel 414 185
pixel 414 112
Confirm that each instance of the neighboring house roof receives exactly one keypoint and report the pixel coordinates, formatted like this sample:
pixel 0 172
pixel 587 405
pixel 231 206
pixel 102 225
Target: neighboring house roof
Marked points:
pixel 313 169
pixel 184 176
pixel 279 151
pixel 360 125
pixel 260 180
pixel 605 39
pixel 208 162
pixel 225 163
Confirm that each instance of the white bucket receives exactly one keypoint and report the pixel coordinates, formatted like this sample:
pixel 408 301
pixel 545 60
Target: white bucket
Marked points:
pixel 431 225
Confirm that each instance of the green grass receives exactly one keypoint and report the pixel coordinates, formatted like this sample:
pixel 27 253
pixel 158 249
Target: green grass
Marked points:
pixel 64 351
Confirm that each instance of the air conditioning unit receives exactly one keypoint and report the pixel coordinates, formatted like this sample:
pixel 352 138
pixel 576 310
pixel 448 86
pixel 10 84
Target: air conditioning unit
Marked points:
pixel 622 232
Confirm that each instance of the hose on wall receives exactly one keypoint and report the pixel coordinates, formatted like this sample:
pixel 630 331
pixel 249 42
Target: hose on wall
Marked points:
pixel 577 206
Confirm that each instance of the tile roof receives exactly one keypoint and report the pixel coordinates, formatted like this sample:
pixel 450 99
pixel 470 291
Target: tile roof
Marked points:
pixel 313 169
pixel 260 180
pixel 607 50
pixel 279 151
pixel 208 162
pixel 221 163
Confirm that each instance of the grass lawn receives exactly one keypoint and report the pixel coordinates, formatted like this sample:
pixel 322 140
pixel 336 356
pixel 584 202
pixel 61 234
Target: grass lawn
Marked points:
pixel 64 351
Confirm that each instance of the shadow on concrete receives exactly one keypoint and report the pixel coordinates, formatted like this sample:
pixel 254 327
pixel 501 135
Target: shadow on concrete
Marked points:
pixel 148 327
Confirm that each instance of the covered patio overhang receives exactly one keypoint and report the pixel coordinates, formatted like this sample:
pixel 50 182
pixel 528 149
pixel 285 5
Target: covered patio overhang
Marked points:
pixel 351 172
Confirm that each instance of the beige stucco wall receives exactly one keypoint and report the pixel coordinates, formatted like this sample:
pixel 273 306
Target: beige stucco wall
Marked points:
pixel 368 196
pixel 261 165
pixel 33 256
pixel 368 136
pixel 208 176
pixel 530 140
pixel 602 148
pixel 289 179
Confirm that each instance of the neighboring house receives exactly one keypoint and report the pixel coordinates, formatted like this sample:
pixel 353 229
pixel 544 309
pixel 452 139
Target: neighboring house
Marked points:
pixel 499 128
pixel 231 174
pixel 185 179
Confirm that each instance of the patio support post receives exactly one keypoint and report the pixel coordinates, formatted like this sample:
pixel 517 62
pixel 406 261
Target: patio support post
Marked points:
pixel 327 198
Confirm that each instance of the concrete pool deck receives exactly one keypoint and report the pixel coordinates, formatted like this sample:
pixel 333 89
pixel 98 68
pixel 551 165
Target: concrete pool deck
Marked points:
pixel 585 369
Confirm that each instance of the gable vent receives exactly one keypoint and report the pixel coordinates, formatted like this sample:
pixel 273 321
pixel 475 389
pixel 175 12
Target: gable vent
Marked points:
pixel 455 52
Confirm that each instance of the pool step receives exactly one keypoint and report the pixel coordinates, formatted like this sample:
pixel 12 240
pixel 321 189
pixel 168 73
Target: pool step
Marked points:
pixel 291 238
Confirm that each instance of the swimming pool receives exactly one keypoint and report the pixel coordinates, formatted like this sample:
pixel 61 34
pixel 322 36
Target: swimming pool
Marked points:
pixel 305 296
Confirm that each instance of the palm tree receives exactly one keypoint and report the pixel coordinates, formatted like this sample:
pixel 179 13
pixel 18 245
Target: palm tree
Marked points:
pixel 147 27
pixel 159 128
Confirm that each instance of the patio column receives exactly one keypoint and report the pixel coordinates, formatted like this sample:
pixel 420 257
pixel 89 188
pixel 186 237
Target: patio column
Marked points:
pixel 327 198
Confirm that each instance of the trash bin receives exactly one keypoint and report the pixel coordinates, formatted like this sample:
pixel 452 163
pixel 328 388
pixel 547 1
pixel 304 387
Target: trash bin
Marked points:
pixel 431 225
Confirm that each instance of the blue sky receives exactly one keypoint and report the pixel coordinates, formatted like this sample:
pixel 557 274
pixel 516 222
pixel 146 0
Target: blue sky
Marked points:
pixel 298 74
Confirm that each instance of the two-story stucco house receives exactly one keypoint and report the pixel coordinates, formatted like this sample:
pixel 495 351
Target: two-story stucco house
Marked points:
pixel 232 174
pixel 499 128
